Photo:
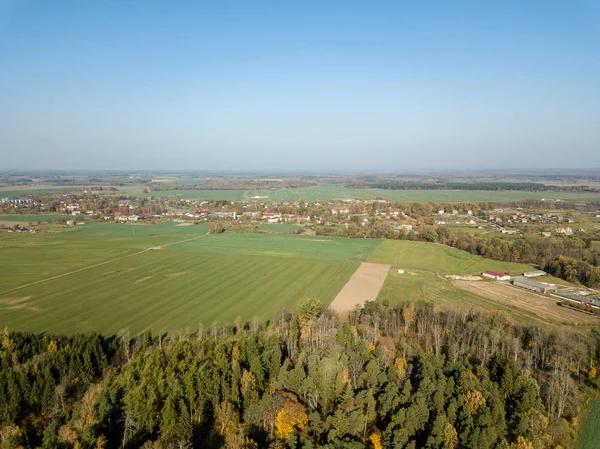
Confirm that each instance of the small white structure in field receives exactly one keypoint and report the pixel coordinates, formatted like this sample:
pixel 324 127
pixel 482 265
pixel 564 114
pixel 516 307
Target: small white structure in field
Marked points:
pixel 400 271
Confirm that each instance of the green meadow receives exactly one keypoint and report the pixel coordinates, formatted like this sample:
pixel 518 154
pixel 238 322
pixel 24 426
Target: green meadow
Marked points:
pixel 35 218
pixel 279 227
pixel 589 435
pixel 439 258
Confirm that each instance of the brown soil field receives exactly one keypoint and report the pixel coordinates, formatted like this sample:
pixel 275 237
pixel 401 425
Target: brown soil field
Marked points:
pixel 544 307
pixel 363 286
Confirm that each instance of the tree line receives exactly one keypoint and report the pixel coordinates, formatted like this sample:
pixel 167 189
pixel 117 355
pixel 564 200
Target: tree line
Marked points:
pixel 485 185
pixel 407 376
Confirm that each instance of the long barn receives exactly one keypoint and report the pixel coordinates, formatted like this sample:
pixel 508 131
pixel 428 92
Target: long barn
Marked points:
pixel 535 286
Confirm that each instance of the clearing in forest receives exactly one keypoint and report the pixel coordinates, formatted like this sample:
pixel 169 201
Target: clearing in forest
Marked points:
pixel 363 286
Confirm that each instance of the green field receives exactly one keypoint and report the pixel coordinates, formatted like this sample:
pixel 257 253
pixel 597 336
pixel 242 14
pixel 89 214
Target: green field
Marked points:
pixel 279 227
pixel 139 229
pixel 104 277
pixel 170 290
pixel 331 248
pixel 228 195
pixel 434 257
pixel 332 191
pixel 35 218
pixel 589 436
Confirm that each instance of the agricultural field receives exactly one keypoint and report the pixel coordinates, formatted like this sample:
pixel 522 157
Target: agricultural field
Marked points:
pixel 140 229
pixel 170 290
pixel 11 191
pixel 279 227
pixel 333 191
pixel 104 277
pixel 34 218
pixel 215 195
pixel 589 435
pixel 439 258
pixel 167 276
pixel 331 248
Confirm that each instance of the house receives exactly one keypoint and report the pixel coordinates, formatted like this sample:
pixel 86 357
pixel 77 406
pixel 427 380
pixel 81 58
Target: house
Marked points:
pixel 535 273
pixel 405 227
pixel 471 222
pixel 340 210
pixel 232 215
pixel 564 231
pixel 400 271
pixel 440 222
pixel 546 234
pixel 509 231
pixel 454 212
pixel 70 223
pixel 534 286
pixel 496 276
pixel 441 212
pixel 469 212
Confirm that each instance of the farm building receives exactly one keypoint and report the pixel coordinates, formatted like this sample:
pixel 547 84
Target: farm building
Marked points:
pixel 535 273
pixel 577 298
pixel 534 286
pixel 496 276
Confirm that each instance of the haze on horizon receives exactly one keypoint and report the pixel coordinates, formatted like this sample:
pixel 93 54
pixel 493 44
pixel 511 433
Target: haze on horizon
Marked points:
pixel 263 85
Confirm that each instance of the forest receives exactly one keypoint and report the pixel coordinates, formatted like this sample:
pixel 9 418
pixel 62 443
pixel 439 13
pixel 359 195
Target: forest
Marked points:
pixel 410 376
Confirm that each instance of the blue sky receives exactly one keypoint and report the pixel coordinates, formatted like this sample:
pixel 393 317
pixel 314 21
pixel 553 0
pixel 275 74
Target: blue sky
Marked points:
pixel 305 85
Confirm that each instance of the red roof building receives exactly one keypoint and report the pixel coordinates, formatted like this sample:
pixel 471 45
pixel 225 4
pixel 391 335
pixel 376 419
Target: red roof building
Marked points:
pixel 495 275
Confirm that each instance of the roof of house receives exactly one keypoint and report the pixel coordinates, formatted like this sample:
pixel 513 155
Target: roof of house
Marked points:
pixel 494 273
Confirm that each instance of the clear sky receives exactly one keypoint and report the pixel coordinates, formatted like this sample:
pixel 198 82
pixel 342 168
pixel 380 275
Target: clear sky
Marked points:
pixel 267 85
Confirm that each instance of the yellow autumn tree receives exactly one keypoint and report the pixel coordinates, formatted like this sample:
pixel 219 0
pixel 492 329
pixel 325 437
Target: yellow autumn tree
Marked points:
pixel 450 436
pixel 375 440
pixel 401 366
pixel 593 373
pixel 11 436
pixel 521 443
pixel 474 399
pixel 408 315
pixel 291 416
pixel 87 413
